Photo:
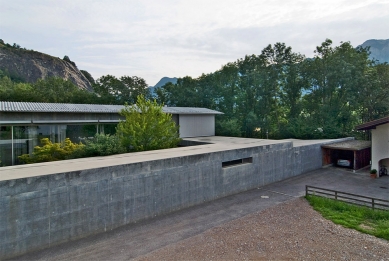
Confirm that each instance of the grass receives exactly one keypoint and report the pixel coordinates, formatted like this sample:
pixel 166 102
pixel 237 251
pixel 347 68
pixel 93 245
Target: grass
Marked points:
pixel 363 219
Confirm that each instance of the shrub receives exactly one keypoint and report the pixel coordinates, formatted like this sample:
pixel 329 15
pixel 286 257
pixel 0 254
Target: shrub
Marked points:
pixel 51 151
pixel 147 127
pixel 100 145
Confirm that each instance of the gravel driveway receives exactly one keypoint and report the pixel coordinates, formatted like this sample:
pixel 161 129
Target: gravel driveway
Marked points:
pixel 288 231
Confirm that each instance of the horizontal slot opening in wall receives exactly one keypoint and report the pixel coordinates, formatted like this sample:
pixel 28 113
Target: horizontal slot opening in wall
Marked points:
pixel 231 163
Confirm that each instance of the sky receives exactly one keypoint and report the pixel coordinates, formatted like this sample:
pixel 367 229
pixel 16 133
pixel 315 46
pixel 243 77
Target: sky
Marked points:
pixel 176 38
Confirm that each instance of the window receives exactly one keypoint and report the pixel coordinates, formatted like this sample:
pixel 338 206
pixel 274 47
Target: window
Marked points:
pixel 231 163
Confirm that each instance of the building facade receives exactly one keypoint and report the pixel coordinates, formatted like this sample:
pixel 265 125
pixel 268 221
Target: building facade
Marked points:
pixel 23 125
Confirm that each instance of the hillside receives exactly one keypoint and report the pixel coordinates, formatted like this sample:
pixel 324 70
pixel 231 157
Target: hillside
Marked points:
pixel 29 66
pixel 161 83
pixel 379 49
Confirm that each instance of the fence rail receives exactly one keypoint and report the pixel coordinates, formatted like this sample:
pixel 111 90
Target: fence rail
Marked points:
pixel 374 203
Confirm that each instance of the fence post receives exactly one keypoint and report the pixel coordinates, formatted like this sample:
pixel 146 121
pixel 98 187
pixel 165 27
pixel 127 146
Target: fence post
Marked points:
pixel 306 190
pixel 372 203
pixel 336 195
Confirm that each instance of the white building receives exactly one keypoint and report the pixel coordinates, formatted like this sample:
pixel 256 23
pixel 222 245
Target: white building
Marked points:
pixel 380 141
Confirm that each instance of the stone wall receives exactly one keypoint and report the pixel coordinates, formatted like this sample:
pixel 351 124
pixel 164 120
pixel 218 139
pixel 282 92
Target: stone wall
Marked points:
pixel 43 211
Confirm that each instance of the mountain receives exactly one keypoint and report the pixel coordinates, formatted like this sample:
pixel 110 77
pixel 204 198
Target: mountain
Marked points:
pixel 161 83
pixel 29 66
pixel 379 49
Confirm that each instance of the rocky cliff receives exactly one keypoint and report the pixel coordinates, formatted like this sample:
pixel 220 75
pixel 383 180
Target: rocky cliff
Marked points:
pixel 30 66
pixel 379 49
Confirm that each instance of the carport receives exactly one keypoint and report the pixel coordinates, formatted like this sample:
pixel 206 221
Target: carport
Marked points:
pixel 352 154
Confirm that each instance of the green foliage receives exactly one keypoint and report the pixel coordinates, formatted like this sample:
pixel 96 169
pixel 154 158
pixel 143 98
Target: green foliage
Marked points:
pixel 15 91
pixel 278 92
pixel 286 95
pixel 101 145
pixel 67 59
pixel 55 90
pixel 51 151
pixel 230 128
pixel 88 76
pixel 363 219
pixel 120 91
pixel 147 127
pixel 58 90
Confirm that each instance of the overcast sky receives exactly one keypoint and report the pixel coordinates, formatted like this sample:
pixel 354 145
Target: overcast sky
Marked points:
pixel 175 38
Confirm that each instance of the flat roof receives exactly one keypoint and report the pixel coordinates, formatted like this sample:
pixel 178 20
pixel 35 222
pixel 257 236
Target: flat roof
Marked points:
pixel 373 124
pixel 89 108
pixel 349 145
pixel 214 144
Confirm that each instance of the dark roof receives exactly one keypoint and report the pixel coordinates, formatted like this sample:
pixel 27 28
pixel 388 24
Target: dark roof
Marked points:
pixel 88 108
pixel 373 124
pixel 349 145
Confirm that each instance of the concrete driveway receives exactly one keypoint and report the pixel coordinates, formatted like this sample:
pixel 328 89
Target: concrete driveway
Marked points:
pixel 140 238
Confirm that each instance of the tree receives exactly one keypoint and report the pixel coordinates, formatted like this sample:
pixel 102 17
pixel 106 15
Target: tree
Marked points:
pixel 147 127
pixel 120 91
pixel 88 76
pixel 58 90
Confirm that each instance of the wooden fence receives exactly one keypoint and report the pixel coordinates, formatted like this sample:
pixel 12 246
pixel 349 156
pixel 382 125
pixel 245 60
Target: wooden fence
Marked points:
pixel 374 203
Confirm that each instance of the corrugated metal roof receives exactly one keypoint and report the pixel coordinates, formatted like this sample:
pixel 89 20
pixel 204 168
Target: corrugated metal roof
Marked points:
pixel 88 108
pixel 189 110
pixel 373 124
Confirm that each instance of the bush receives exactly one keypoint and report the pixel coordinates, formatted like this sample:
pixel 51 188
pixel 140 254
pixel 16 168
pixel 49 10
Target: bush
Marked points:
pixel 100 145
pixel 147 127
pixel 51 151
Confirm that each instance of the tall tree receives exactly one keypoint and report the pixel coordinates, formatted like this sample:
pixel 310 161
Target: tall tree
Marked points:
pixel 120 91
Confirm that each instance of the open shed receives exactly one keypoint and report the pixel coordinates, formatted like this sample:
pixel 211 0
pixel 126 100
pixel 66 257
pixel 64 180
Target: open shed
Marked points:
pixel 352 154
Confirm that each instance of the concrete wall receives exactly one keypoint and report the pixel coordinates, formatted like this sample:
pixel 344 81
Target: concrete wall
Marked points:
pixel 43 211
pixel 196 125
pixel 380 146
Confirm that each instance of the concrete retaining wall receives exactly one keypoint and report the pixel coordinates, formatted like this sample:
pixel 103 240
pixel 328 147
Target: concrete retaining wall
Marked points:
pixel 47 210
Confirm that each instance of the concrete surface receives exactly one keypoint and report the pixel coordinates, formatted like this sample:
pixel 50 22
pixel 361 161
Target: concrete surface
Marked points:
pixel 51 203
pixel 216 144
pixel 138 239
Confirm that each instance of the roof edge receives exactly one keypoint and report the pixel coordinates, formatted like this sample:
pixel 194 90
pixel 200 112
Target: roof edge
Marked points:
pixel 372 124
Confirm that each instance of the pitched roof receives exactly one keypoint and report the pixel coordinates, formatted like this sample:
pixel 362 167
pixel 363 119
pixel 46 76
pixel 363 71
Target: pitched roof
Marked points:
pixel 88 108
pixel 373 124
pixel 349 145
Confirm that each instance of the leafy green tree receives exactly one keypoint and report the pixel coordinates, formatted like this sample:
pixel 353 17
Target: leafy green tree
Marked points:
pixel 88 76
pixel 133 87
pixel 337 75
pixel 147 127
pixel 58 90
pixel 230 128
pixel 15 91
pixel 119 91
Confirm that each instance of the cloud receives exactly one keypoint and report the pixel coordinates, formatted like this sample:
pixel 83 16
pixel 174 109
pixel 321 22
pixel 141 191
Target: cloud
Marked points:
pixel 153 38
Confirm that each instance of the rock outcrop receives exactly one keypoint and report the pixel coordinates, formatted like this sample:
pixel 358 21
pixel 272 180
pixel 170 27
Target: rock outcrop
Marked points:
pixel 30 66
pixel 379 49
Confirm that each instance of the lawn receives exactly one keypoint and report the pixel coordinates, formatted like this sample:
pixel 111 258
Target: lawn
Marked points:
pixel 363 219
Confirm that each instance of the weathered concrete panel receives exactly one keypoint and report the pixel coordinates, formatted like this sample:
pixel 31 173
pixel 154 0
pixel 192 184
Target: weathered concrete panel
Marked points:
pixel 47 210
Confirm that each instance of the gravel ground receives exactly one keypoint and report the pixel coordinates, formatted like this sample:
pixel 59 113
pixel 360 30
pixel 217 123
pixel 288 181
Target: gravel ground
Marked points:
pixel 288 231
